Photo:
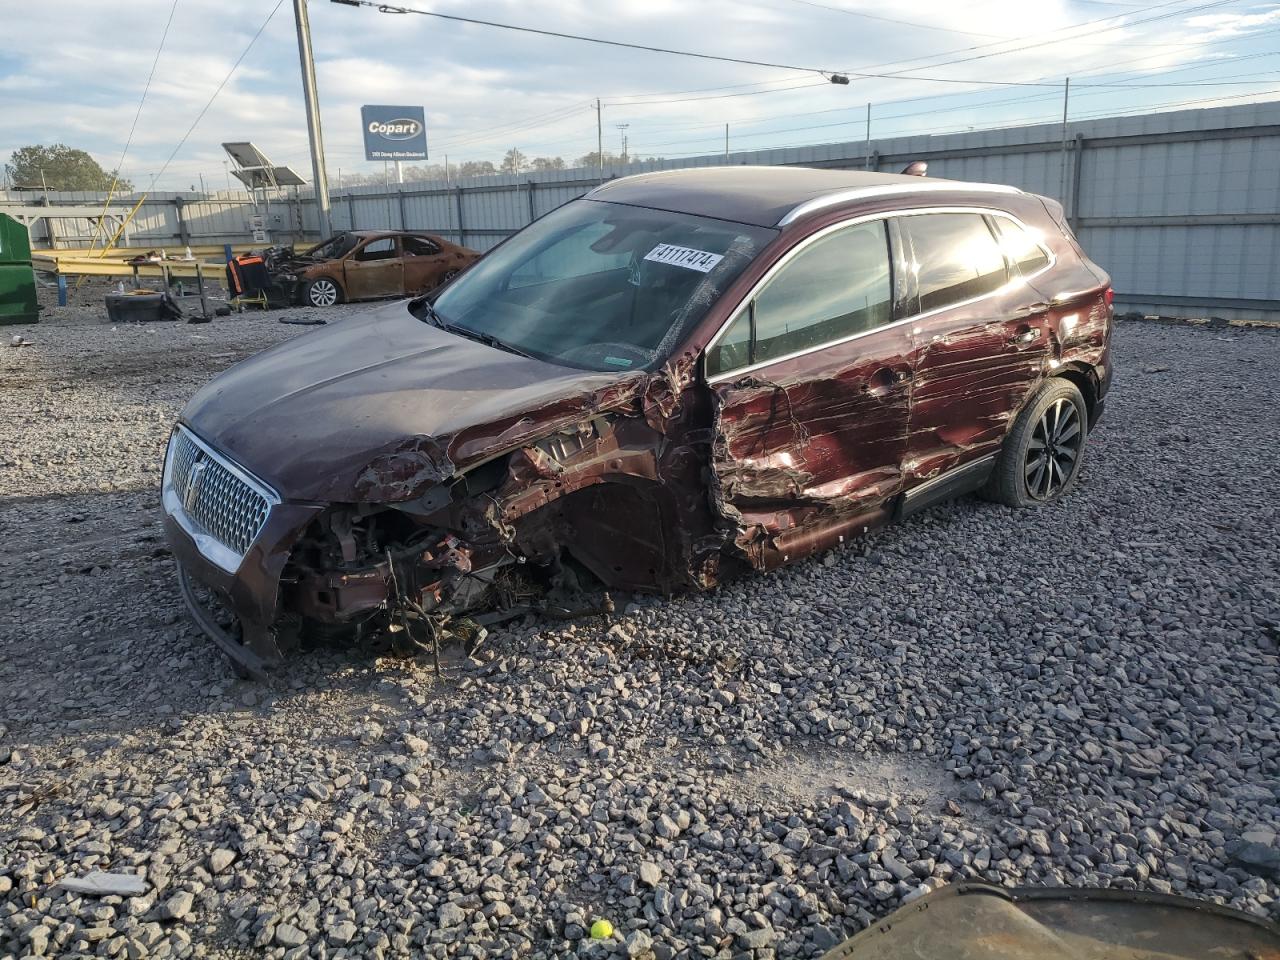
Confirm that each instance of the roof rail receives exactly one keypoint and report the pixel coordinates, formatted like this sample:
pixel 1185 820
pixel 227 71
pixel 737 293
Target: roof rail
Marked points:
pixel 863 193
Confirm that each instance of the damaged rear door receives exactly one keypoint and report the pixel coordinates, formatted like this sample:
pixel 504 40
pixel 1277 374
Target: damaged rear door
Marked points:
pixel 982 339
pixel 812 385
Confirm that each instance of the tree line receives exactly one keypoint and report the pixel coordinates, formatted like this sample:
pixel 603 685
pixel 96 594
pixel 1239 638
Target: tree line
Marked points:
pixel 514 161
pixel 59 167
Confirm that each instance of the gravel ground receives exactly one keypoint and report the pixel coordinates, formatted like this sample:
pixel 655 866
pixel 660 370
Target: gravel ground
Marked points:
pixel 1083 695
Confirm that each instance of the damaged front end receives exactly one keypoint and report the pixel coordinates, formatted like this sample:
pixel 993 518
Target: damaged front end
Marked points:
pixel 432 552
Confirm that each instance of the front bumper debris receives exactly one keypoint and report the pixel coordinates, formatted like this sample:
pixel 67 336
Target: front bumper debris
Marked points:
pixel 244 656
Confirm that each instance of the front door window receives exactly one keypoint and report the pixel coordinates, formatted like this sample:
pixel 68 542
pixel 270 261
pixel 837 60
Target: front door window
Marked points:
pixel 834 288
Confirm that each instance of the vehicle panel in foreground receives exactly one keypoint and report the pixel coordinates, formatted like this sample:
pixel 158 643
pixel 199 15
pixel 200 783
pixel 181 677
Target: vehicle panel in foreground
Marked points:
pixel 978 921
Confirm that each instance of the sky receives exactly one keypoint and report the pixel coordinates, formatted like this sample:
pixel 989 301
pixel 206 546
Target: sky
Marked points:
pixel 75 70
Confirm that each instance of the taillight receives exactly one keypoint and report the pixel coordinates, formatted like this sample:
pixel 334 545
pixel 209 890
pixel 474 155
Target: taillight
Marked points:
pixel 1109 295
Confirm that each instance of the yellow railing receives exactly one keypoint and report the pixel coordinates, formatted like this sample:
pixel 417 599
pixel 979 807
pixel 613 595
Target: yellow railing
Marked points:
pixel 113 262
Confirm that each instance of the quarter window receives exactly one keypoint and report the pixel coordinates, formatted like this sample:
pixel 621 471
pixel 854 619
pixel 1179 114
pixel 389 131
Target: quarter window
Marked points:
pixel 1020 246
pixel 955 258
pixel 833 288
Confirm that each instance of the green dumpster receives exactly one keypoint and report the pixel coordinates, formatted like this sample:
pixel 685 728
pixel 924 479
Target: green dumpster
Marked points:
pixel 17 279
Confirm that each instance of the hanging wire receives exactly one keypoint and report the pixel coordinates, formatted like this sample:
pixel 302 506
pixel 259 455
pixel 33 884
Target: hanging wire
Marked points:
pixel 115 174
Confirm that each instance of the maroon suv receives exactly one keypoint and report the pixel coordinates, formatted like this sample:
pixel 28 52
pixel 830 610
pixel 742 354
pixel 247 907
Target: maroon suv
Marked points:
pixel 678 376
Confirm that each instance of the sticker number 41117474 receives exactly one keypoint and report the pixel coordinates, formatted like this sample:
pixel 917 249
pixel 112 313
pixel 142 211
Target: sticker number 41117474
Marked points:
pixel 686 257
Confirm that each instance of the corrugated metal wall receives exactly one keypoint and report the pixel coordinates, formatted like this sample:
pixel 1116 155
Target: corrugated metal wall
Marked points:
pixel 1182 208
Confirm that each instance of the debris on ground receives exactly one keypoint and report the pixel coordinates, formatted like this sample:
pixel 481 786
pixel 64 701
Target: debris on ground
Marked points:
pixel 99 884
pixel 1079 696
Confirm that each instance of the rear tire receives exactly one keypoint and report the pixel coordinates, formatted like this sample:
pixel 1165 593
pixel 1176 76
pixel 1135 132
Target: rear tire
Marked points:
pixel 322 292
pixel 1041 457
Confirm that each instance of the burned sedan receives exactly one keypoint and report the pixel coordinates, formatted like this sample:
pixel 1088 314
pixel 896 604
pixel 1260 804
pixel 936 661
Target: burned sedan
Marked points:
pixel 366 265
pixel 680 376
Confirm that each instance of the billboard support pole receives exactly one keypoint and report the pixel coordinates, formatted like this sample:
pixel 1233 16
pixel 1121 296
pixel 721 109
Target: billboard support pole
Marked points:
pixel 319 179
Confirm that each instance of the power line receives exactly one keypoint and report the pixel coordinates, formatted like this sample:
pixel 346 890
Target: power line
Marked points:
pixel 1046 43
pixel 1118 84
pixel 390 8
pixel 145 90
pixel 720 96
pixel 919 113
pixel 1048 33
pixel 901 75
pixel 676 93
pixel 999 37
pixel 489 133
pixel 863 74
pixel 902 23
pixel 205 109
pixel 1044 118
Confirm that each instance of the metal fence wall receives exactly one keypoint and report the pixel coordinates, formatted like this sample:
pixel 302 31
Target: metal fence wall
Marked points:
pixel 1182 208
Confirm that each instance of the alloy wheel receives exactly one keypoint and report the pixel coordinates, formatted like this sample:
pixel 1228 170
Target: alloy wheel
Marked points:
pixel 323 293
pixel 1054 450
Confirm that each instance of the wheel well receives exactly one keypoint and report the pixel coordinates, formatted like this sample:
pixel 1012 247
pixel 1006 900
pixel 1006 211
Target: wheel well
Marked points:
pixel 1087 384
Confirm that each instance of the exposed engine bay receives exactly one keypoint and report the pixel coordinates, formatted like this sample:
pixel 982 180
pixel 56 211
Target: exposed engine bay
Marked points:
pixel 534 531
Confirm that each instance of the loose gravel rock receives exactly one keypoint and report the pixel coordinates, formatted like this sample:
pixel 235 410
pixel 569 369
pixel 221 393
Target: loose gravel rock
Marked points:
pixel 1082 695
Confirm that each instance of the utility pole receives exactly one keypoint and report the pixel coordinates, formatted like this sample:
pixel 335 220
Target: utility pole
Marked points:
pixel 622 129
pixel 1062 184
pixel 386 186
pixel 866 163
pixel 320 181
pixel 599 141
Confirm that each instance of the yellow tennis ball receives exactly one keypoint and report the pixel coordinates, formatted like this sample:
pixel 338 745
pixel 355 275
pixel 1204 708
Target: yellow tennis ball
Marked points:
pixel 601 930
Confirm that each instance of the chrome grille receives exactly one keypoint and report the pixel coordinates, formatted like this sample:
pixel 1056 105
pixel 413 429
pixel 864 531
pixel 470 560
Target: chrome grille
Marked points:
pixel 213 497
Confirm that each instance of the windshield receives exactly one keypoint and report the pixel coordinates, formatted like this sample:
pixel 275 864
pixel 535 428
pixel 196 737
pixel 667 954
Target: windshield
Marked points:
pixel 333 248
pixel 601 286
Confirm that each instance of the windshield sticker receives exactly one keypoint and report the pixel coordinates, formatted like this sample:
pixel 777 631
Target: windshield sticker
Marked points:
pixel 686 257
pixel 618 361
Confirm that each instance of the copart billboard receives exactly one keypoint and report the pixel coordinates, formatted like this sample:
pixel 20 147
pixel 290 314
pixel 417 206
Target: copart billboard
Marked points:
pixel 394 133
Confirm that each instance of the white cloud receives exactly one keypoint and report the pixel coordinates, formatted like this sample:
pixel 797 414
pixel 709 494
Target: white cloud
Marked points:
pixel 486 90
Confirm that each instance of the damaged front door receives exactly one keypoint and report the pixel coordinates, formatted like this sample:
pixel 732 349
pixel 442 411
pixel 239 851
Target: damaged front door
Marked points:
pixel 375 270
pixel 812 382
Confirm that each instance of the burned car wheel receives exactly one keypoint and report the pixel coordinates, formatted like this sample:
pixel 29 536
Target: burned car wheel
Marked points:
pixel 1041 457
pixel 323 292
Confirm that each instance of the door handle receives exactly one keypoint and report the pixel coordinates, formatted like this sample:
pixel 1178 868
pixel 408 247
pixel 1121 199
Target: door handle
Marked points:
pixel 1023 337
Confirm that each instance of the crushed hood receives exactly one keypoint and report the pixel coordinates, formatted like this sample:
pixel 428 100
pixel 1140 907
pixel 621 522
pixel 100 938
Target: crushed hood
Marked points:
pixel 325 416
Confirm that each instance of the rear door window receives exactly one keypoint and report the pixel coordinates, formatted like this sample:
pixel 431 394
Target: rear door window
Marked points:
pixel 1020 246
pixel 955 258
pixel 419 247
pixel 834 288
